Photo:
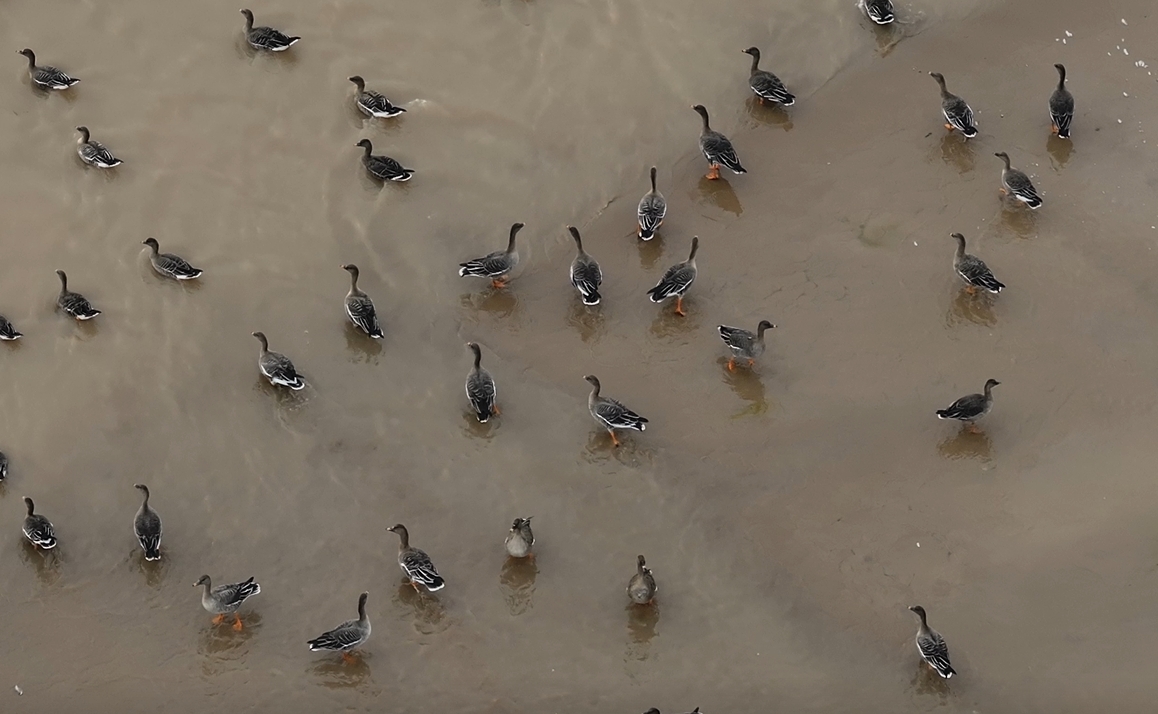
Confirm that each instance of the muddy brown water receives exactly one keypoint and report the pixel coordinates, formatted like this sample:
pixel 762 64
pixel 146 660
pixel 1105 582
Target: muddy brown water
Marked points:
pixel 790 514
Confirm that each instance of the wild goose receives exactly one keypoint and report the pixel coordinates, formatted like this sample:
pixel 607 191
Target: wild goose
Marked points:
pixel 147 526
pixel 94 153
pixel 72 303
pixel 417 565
pixel 1016 183
pixel 276 367
pixel 480 388
pixel 38 529
pixel 359 306
pixel 957 113
pixel 520 539
pixel 372 103
pixel 266 38
pixel 1061 106
pixel 346 636
pixel 879 11
pixel 973 270
pixel 766 85
pixel 169 265
pixel 7 331
pixel 971 407
pixel 744 344
pixel 586 275
pixel 45 75
pixel 610 413
pixel 494 265
pixel 642 588
pixel 383 168
pixel 716 148
pixel 651 211
pixel 932 646
pixel 676 281
pixel 3 466
pixel 225 599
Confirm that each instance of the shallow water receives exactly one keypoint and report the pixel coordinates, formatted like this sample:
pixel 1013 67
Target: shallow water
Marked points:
pixel 790 514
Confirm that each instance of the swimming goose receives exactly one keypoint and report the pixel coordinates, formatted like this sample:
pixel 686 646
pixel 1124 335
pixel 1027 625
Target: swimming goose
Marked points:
pixel 520 539
pixel 585 273
pixel 480 388
pixel 45 75
pixel 716 148
pixel 38 529
pixel 417 565
pixel 383 168
pixel 642 588
pixel 879 11
pixel 1015 183
pixel 676 281
pixel 3 466
pixel 766 85
pixel 973 270
pixel 971 407
pixel 1061 106
pixel 276 367
pixel 72 303
pixel 494 265
pixel 957 113
pixel 651 211
pixel 744 344
pixel 372 103
pixel 147 526
pixel 359 306
pixel 169 265
pixel 610 413
pixel 266 38
pixel 225 599
pixel 7 331
pixel 346 636
pixel 94 153
pixel 932 646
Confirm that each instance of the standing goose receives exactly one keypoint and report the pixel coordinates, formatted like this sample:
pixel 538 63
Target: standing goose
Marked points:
pixel 225 599
pixel 651 211
pixel 611 414
pixel 520 539
pixel 585 273
pixel 973 270
pixel 716 148
pixel 46 76
pixel 971 407
pixel 359 306
pixel 494 265
pixel 168 264
pixel 642 588
pixel 932 646
pixel 383 168
pixel 879 11
pixel 1061 106
pixel 1015 183
pixel 38 529
pixel 417 565
pixel 276 367
pixel 346 636
pixel 766 85
pixel 372 103
pixel 744 344
pixel 957 113
pixel 94 153
pixel 147 526
pixel 676 281
pixel 7 331
pixel 266 38
pixel 480 388
pixel 72 303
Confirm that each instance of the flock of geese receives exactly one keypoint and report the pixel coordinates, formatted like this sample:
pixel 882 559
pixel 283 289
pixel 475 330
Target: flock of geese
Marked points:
pixel 586 277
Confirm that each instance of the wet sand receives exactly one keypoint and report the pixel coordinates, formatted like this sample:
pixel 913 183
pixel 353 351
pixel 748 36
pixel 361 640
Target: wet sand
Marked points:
pixel 790 515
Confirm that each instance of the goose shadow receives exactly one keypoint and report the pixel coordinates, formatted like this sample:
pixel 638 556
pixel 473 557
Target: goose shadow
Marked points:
pixel 641 624
pixel 768 114
pixel 976 309
pixel 222 642
pixel 650 251
pixel 336 672
pixel 719 193
pixel 667 324
pixel 360 346
pixel 1060 151
pixel 517 584
pixel 427 611
pixel 1019 219
pixel 747 385
pixel 477 429
pixel 587 320
pixel 501 302
pixel 154 571
pixel 47 563
pixel 887 36
pixel 957 152
pixel 629 452
pixel 926 682
pixel 966 444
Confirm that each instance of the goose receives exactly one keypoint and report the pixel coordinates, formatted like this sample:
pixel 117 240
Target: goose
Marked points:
pixel 520 539
pixel 971 407
pixel 169 265
pixel 642 588
pixel 225 599
pixel 957 113
pixel 973 270
pixel 7 331
pixel 45 75
pixel 494 265
pixel 383 168
pixel 932 646
pixel 72 303
pixel 879 11
pixel 266 38
pixel 716 148
pixel 610 413
pixel 1061 106
pixel 417 565
pixel 766 85
pixel 94 153
pixel 3 466
pixel 676 281
pixel 372 103
pixel 276 367
pixel 359 306
pixel 480 388
pixel 147 526
pixel 1015 183
pixel 744 344
pixel 586 275
pixel 651 211
pixel 38 529
pixel 346 636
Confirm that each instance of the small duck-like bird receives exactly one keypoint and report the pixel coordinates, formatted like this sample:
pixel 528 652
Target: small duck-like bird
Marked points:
pixel 651 211
pixel 225 599
pixel 932 646
pixel 372 103
pixel 169 265
pixel 611 414
pixel 957 113
pixel 266 38
pixel 276 367
pixel 766 85
pixel 147 526
pixel 7 331
pixel 359 306
pixel 45 75
pixel 494 265
pixel 383 168
pixel 1016 183
pixel 417 565
pixel 879 11
pixel 973 270
pixel 1061 106
pixel 971 407
pixel 642 588
pixel 480 388
pixel 744 344
pixel 676 281
pixel 72 303
pixel 520 539
pixel 716 148
pixel 94 153
pixel 346 636
pixel 38 529
pixel 586 275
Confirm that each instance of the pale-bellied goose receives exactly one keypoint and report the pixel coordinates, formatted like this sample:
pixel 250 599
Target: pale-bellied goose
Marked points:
pixel 609 413
pixel 38 529
pixel 494 265
pixel 72 303
pixel 676 281
pixel 372 103
pixel 359 306
pixel 266 38
pixel 520 539
pixel 651 211
pixel 480 388
pixel 147 526
pixel 346 636
pixel 717 149
pixel 586 275
pixel 642 588
pixel 168 264
pixel 417 565
pixel 276 367
pixel 45 75
pixel 932 646
pixel 383 168
pixel 744 344
pixel 225 599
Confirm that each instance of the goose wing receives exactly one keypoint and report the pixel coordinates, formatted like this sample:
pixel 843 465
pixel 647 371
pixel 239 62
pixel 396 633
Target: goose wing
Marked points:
pixel 175 266
pixel 651 212
pixel 231 596
pixel 736 338
pixel 975 272
pixel 675 281
pixel 280 370
pixel 614 415
pixel 959 114
pixel 76 305
pixel 967 407
pixel 490 265
pixel 360 309
pixel 39 531
pixel 936 653
pixel 586 276
pixel 718 150
pixel 481 392
pixel 147 527
pixel 53 77
pixel 420 568
pixel 270 39
pixel 768 86
pixel 345 636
